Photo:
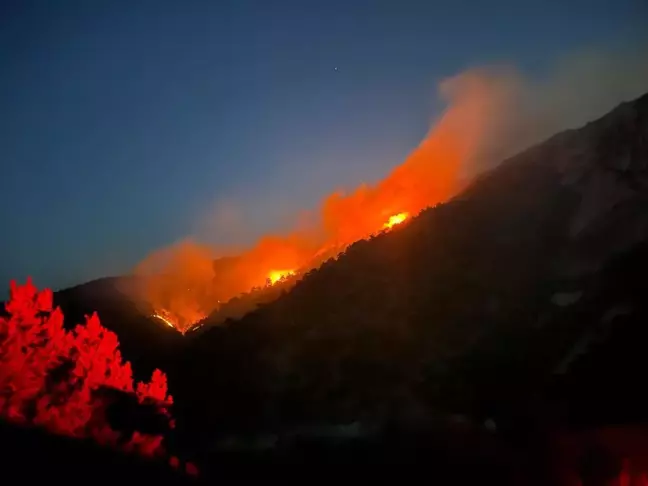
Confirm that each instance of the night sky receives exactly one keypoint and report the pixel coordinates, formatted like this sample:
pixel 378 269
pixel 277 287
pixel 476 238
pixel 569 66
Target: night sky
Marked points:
pixel 128 125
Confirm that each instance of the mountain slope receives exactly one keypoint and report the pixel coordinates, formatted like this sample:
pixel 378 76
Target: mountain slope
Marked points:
pixel 145 341
pixel 468 307
pixel 476 305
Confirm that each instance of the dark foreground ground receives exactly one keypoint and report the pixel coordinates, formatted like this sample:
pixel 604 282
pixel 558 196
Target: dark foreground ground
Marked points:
pixel 463 457
pixel 31 457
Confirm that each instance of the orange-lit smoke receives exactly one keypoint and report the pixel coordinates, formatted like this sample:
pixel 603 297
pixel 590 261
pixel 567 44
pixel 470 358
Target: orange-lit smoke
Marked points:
pixel 190 281
pixel 481 125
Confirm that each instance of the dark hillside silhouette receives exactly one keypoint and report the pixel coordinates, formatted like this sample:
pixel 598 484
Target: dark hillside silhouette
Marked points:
pixel 146 341
pixel 446 313
pixel 475 338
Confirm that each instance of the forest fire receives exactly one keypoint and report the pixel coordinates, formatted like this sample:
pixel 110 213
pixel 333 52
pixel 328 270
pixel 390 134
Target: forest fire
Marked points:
pixel 276 275
pixel 190 280
pixel 395 220
pixel 167 321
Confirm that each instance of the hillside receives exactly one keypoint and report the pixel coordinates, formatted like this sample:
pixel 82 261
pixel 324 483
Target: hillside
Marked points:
pixel 146 341
pixel 468 308
pixel 521 300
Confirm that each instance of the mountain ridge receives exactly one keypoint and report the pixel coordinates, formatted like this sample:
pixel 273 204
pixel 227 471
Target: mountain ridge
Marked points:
pixel 446 307
pixel 469 307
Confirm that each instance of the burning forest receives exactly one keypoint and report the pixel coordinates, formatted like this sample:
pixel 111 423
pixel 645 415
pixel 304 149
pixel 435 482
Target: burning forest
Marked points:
pixel 296 241
pixel 491 114
pixel 185 282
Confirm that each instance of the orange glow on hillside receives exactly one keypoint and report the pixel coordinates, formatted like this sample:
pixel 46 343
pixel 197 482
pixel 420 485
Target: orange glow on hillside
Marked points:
pixel 190 280
pixel 275 275
pixel 165 320
pixel 395 219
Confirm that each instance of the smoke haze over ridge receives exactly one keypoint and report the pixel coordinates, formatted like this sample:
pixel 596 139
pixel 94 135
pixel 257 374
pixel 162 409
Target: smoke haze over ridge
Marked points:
pixel 491 113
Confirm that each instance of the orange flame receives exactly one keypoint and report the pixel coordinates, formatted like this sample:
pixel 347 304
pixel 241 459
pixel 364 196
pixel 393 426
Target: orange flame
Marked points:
pixel 276 275
pixel 395 219
pixel 430 175
pixel 165 320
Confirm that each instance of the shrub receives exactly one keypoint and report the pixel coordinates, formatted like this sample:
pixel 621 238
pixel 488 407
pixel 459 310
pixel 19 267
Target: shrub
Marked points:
pixel 58 379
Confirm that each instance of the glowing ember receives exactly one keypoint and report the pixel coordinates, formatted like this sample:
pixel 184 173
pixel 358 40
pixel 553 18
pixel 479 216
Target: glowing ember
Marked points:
pixel 165 320
pixel 275 275
pixel 395 219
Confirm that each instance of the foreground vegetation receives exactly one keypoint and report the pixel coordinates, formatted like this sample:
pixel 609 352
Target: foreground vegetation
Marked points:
pixel 487 335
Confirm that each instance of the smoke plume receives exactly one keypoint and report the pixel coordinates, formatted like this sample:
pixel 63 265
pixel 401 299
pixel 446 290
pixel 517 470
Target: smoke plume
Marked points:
pixel 491 113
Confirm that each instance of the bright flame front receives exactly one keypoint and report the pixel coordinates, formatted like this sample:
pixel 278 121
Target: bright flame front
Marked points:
pixel 166 320
pixel 275 275
pixel 395 219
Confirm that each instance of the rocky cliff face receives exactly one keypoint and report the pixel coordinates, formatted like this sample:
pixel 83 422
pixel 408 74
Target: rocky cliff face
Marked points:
pixel 604 166
pixel 613 183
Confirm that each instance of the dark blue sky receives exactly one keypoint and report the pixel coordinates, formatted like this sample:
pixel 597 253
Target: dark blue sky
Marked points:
pixel 124 124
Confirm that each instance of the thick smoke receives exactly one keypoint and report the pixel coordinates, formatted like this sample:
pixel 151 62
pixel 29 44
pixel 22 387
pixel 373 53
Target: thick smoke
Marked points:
pixel 491 113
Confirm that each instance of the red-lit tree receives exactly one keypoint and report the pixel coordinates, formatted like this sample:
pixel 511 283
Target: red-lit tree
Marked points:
pixel 50 377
